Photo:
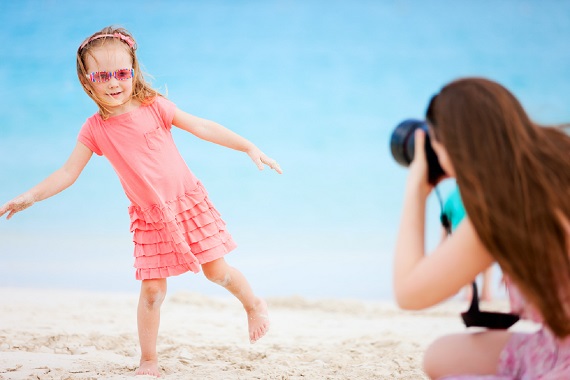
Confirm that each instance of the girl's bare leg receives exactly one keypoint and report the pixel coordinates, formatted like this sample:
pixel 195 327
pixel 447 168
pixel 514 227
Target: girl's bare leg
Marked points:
pixel 148 318
pixel 469 353
pixel 221 273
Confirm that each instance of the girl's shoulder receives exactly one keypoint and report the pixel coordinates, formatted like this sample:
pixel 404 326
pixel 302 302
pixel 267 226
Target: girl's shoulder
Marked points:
pixel 93 120
pixel 164 107
pixel 156 100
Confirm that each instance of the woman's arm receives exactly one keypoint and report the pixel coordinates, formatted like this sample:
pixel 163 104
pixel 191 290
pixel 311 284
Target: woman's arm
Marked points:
pixel 58 181
pixel 421 281
pixel 216 133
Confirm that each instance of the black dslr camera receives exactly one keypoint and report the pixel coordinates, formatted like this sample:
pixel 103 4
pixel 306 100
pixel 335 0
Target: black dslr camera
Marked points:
pixel 402 146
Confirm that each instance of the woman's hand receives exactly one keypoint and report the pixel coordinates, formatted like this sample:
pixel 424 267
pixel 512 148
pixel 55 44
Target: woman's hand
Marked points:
pixel 259 158
pixel 17 204
pixel 418 175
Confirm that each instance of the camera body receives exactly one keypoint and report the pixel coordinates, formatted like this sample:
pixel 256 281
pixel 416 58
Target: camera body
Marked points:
pixel 402 145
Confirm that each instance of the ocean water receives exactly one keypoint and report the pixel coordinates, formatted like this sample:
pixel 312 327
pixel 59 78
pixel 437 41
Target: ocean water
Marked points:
pixel 317 85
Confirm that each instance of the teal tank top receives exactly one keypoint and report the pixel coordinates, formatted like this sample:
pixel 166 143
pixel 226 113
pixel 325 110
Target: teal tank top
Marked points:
pixel 453 208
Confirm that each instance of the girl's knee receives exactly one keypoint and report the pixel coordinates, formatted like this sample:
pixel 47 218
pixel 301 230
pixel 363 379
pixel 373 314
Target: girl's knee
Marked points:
pixel 218 272
pixel 153 292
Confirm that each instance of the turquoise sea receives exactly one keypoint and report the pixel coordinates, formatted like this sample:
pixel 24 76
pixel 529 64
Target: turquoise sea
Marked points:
pixel 318 85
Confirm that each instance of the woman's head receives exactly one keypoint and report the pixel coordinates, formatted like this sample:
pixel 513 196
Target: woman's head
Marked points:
pixel 109 71
pixel 475 118
pixel 514 178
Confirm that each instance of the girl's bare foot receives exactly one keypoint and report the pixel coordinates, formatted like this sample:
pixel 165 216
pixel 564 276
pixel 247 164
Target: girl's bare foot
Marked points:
pixel 149 368
pixel 258 321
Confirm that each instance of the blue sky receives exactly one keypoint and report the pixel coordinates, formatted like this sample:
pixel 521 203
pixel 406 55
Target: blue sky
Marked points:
pixel 318 85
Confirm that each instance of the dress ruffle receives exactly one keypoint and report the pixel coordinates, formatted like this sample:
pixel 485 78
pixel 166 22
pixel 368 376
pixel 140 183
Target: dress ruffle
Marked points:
pixel 178 236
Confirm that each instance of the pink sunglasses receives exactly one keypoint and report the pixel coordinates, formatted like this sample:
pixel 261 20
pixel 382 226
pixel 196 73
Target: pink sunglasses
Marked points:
pixel 105 76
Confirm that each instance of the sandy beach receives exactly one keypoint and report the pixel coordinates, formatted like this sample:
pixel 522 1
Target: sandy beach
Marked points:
pixel 61 334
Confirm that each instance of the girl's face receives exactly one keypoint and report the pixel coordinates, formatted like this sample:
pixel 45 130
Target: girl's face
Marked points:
pixel 116 91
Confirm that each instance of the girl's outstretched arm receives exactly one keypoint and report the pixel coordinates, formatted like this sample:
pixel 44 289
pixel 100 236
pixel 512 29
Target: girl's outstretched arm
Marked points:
pixel 214 132
pixel 59 180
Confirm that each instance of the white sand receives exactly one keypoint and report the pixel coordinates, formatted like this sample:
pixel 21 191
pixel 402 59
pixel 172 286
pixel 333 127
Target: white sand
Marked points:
pixel 79 335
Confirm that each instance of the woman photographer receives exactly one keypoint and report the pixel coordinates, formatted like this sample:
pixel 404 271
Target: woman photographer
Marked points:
pixel 514 178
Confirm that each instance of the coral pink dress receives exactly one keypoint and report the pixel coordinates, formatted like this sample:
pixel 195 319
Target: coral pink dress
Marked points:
pixel 175 226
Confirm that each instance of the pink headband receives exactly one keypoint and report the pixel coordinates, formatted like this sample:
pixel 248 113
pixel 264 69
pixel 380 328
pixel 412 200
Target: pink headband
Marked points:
pixel 126 39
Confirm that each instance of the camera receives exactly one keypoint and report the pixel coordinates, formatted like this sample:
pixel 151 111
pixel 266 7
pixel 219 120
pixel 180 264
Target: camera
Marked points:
pixel 402 147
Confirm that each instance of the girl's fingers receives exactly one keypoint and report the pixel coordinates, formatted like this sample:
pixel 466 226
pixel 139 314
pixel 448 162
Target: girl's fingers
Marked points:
pixel 10 206
pixel 259 158
pixel 259 163
pixel 272 164
pixel 16 205
pixel 7 207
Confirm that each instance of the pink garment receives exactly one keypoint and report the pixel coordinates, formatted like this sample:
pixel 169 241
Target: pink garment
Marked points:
pixel 519 305
pixel 175 226
pixel 529 356
pixel 538 355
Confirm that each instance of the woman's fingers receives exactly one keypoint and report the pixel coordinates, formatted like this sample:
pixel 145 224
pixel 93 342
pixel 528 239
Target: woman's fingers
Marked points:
pixel 419 144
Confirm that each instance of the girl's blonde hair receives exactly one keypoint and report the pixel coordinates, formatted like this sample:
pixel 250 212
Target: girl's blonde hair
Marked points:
pixel 142 90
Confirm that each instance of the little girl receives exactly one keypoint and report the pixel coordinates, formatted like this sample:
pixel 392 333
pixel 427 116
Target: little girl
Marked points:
pixel 175 227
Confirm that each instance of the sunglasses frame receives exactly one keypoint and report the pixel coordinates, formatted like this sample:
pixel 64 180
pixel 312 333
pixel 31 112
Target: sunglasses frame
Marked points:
pixel 110 74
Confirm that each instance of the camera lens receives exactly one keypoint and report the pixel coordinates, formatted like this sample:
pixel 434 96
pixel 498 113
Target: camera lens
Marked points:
pixel 402 146
pixel 402 141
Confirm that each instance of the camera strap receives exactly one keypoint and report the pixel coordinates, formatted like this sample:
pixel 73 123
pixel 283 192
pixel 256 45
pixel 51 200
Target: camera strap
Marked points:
pixel 473 316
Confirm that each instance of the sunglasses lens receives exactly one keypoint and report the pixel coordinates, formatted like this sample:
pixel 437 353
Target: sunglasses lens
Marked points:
pixel 104 76
pixel 124 74
pixel 101 76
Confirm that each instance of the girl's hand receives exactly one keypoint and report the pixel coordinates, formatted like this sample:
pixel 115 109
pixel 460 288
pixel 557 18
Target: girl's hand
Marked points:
pixel 259 158
pixel 418 176
pixel 17 204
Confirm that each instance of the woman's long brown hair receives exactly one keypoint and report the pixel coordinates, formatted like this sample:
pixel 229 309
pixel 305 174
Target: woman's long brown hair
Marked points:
pixel 514 178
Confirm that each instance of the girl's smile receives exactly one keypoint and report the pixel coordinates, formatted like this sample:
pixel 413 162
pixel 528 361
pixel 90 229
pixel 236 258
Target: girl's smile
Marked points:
pixel 115 95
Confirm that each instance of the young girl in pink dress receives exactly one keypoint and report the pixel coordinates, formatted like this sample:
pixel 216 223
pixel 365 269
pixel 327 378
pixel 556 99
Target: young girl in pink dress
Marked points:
pixel 175 227
pixel 514 178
